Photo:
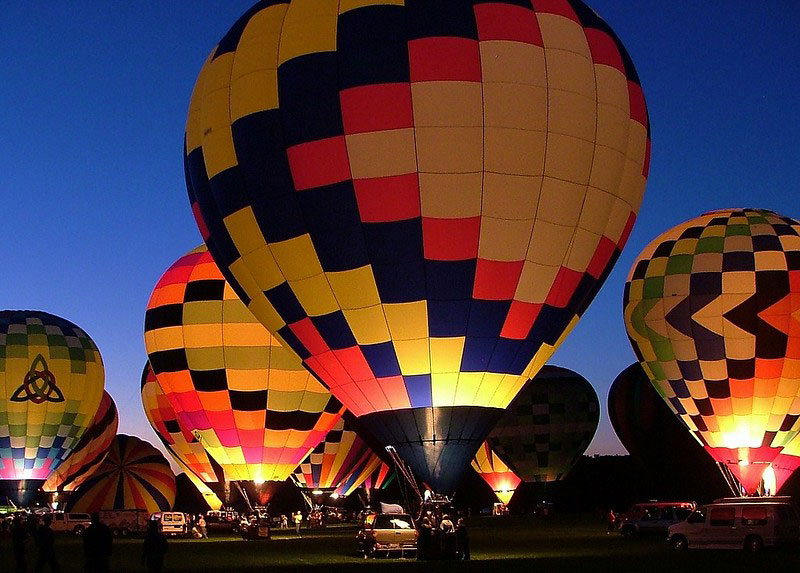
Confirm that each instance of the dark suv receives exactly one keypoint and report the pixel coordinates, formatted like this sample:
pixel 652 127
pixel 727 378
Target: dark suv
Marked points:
pixel 654 520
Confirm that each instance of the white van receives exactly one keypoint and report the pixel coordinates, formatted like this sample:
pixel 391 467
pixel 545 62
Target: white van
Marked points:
pixel 70 522
pixel 749 525
pixel 174 523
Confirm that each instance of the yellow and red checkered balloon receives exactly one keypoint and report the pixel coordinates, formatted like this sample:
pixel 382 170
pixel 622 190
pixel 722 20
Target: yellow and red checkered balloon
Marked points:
pixel 419 198
pixel 246 398
pixel 712 308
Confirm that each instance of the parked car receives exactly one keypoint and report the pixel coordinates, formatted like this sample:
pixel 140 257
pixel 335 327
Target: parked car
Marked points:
pixel 173 523
pixel 750 525
pixel 654 520
pixel 70 522
pixel 124 522
pixel 387 532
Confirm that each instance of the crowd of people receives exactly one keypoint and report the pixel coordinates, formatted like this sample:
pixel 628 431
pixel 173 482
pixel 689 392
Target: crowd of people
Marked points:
pixel 98 542
pixel 440 538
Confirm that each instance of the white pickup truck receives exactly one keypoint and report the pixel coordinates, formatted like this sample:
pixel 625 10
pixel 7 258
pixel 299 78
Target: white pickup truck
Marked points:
pixel 70 522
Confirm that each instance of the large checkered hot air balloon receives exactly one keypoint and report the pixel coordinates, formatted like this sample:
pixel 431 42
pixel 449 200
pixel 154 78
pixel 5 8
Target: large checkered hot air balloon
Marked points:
pixel 51 384
pixel 185 448
pixel 90 452
pixel 711 307
pixel 419 198
pixel 254 408
pixel 548 426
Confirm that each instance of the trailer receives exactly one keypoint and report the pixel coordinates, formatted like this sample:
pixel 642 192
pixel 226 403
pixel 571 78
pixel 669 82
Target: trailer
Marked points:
pixel 125 522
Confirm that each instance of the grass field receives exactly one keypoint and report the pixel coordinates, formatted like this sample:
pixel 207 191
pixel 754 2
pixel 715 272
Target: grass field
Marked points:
pixel 562 543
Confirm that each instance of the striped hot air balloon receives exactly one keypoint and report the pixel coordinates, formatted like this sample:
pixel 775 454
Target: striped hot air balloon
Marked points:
pixel 135 475
pixel 495 473
pixel 246 398
pixel 90 452
pixel 338 462
pixel 420 198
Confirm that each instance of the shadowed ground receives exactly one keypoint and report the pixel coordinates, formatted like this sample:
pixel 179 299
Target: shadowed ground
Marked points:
pixel 562 543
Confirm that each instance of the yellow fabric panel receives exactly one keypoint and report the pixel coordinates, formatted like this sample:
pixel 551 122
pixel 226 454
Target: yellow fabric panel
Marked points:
pixel 489 386
pixel 381 153
pixel 355 288
pixel 562 33
pixel 194 121
pixel 245 379
pixel 267 313
pixel 368 324
pixel 738 282
pixel 513 62
pixel 244 230
pixel 408 320
pixel 254 78
pixel 309 27
pixel 441 103
pixel 202 335
pixel 770 261
pixel 218 149
pixel 296 257
pixel 265 274
pixel 515 151
pixel 450 149
pixel 446 354
pixel 244 357
pixel 249 420
pixel 515 106
pixel 510 196
pixel 205 358
pixel 167 338
pixel 535 282
pixel 450 195
pixel 597 207
pixel 549 243
pixel 413 357
pixel 467 388
pixel 632 182
pixel 568 158
pixel 584 245
pixel 202 313
pixel 443 387
pixel 570 72
pixel 612 89
pixel 251 334
pixel 617 220
pixel 504 240
pixel 315 295
pixel 569 113
pixel 560 203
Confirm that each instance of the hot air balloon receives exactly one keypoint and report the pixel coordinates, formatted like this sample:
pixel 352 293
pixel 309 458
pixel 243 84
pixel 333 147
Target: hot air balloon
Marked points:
pixel 90 452
pixel 420 199
pixel 783 466
pixel 494 472
pixel 548 426
pixel 248 400
pixel 658 441
pixel 379 478
pixel 711 312
pixel 135 475
pixel 341 455
pixel 186 450
pixel 52 377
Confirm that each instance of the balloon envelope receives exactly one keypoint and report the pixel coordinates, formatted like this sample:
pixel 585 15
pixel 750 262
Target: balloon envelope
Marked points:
pixel 341 455
pixel 548 426
pixel 711 310
pixel 91 450
pixel 246 398
pixel 135 475
pixel 495 473
pixel 179 441
pixel 51 379
pixel 421 198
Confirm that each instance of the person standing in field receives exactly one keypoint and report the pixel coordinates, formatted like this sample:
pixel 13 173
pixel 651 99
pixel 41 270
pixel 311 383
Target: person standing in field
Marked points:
pixel 463 539
pixel 97 543
pixel 45 547
pixel 201 525
pixel 154 548
pixel 611 521
pixel 298 520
